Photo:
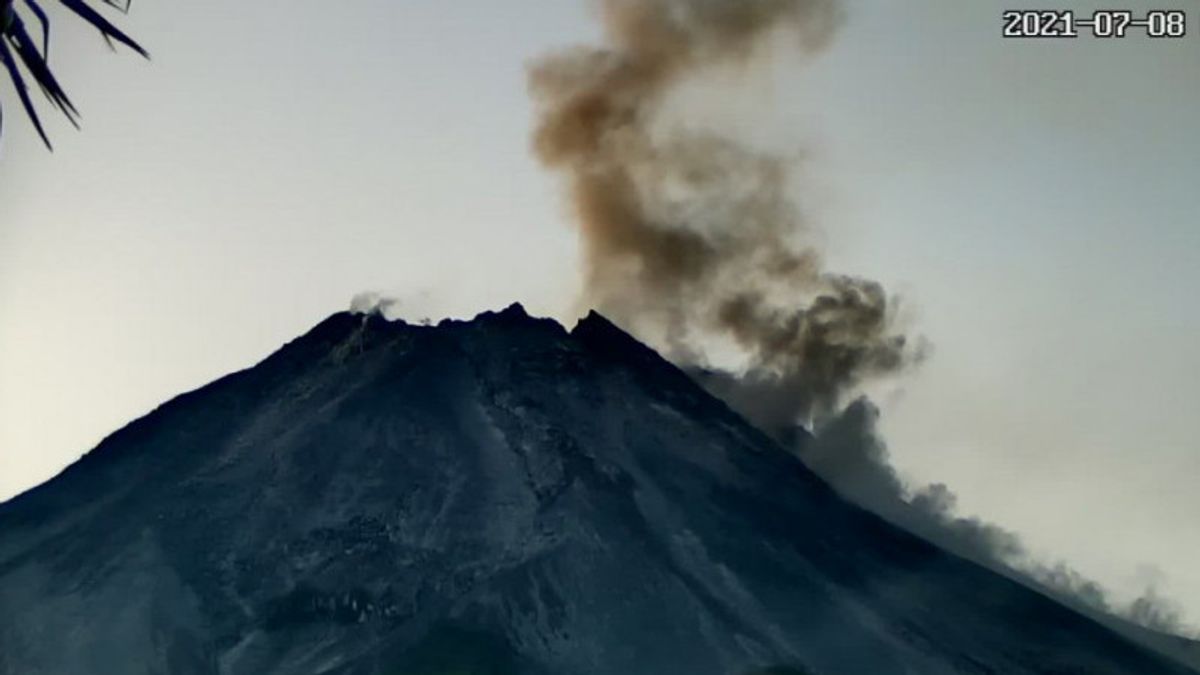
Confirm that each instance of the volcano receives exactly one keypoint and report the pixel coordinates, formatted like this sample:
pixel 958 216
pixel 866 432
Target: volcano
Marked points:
pixel 494 496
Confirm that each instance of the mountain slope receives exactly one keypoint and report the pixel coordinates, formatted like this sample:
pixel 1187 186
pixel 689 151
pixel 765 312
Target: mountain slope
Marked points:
pixel 492 496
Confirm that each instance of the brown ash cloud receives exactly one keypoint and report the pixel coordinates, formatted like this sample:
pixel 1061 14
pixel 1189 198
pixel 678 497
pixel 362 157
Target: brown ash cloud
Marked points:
pixel 693 239
pixel 692 235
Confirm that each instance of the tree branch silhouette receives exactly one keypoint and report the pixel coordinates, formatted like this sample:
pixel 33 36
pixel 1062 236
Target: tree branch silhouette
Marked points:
pixel 22 56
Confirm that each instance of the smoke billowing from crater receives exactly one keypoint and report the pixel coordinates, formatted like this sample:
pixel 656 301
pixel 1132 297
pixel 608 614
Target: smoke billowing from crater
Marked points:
pixel 693 235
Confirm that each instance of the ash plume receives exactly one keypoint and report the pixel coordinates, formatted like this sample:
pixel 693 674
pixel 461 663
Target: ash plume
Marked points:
pixel 372 303
pixel 692 239
pixel 848 452
pixel 693 236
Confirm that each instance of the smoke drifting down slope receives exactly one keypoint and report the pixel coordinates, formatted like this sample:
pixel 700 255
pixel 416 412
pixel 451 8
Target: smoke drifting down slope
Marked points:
pixel 694 235
pixel 851 455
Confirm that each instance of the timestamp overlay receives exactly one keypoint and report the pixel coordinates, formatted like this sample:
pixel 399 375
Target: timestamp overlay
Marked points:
pixel 1104 23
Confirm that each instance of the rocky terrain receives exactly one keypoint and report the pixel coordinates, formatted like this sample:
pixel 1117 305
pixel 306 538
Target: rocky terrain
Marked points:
pixel 496 496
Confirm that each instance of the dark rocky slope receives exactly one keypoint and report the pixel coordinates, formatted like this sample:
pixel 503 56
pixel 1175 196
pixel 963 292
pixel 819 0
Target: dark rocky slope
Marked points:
pixel 492 496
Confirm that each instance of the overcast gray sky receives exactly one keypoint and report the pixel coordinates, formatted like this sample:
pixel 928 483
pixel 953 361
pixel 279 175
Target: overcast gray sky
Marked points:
pixel 1034 202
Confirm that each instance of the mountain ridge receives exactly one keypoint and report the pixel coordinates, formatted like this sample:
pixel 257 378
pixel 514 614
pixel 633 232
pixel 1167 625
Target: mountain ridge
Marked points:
pixel 375 493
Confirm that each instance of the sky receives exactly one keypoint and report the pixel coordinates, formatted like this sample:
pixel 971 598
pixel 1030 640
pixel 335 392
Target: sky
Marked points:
pixel 1033 203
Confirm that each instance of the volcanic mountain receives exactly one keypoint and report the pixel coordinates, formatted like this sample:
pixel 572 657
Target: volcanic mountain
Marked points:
pixel 494 496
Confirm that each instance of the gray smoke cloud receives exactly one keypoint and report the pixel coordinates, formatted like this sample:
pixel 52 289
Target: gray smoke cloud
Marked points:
pixel 370 302
pixel 849 453
pixel 695 237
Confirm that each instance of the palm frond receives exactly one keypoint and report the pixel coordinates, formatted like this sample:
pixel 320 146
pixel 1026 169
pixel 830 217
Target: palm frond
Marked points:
pixel 35 63
pixel 22 92
pixel 18 49
pixel 45 21
pixel 103 25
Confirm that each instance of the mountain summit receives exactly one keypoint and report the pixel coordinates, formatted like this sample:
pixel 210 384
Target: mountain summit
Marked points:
pixel 495 496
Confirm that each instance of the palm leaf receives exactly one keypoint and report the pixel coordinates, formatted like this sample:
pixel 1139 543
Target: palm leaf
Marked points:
pixel 45 21
pixel 103 25
pixel 41 72
pixel 18 49
pixel 19 84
